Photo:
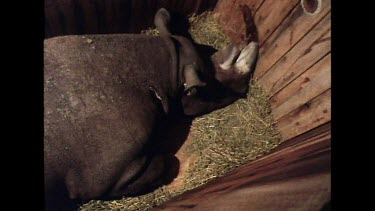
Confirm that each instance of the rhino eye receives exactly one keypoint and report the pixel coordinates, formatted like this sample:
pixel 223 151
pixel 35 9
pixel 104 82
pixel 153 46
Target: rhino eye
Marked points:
pixel 191 91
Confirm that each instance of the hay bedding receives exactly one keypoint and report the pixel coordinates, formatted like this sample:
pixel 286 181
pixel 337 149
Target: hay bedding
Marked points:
pixel 218 142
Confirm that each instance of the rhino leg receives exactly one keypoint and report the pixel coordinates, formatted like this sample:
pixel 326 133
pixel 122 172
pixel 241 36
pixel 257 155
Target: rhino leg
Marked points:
pixel 157 171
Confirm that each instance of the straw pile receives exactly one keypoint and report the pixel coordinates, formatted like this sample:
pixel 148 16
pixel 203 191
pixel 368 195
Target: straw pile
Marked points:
pixel 220 141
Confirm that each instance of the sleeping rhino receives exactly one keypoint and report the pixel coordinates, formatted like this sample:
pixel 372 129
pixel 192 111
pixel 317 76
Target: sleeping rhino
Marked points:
pixel 104 95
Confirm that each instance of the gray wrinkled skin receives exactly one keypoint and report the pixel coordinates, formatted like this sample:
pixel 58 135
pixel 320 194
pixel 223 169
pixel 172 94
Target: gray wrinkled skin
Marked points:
pixel 103 97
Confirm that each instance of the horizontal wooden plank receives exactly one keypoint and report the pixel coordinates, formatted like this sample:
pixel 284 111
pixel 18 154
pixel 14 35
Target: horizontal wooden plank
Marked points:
pixel 297 160
pixel 270 14
pixel 321 132
pixel 70 20
pixel 310 49
pixel 307 193
pixel 90 16
pixel 291 30
pixel 281 96
pixel 310 115
pixel 310 84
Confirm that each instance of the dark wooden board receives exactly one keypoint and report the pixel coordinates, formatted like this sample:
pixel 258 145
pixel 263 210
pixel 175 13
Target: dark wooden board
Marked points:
pixel 302 162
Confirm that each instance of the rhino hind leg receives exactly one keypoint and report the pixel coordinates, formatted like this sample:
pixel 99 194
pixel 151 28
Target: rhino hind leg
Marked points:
pixel 161 21
pixel 159 170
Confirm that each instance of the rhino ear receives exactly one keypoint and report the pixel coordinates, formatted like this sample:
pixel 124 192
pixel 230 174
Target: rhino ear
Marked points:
pixel 192 80
pixel 161 21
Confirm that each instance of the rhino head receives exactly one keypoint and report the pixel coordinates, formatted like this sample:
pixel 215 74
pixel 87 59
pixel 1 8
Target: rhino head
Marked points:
pixel 205 85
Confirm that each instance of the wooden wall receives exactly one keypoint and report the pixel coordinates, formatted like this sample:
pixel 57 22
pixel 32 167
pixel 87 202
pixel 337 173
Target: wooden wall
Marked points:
pixel 67 17
pixel 295 176
pixel 294 61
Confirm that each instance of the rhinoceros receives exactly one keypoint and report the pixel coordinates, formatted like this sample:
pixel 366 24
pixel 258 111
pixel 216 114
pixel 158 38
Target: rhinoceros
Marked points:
pixel 104 95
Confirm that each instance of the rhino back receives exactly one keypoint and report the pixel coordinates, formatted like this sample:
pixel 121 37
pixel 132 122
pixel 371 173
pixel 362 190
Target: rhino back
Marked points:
pixel 99 112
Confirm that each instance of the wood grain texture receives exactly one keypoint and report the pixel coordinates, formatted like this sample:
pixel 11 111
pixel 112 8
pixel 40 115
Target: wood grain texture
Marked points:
pixel 52 24
pixel 231 18
pixel 90 16
pixel 269 16
pixel 224 8
pixel 291 30
pixel 310 49
pixel 69 15
pixel 310 84
pixel 282 172
pixel 321 132
pixel 306 117
pixel 306 193
pixel 66 17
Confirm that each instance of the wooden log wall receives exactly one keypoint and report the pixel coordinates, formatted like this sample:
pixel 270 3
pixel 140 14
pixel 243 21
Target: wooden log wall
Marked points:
pixel 68 17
